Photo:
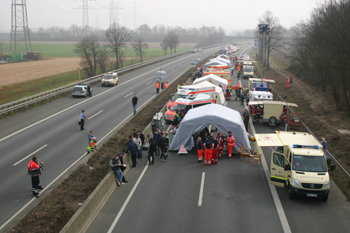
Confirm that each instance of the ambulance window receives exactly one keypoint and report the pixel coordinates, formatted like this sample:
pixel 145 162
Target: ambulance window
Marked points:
pixel 198 105
pixel 279 160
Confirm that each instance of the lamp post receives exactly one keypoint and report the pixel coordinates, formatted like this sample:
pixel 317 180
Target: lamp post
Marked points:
pixel 263 30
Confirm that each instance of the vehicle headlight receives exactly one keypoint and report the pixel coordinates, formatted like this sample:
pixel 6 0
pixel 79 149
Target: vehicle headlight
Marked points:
pixel 327 185
pixel 295 183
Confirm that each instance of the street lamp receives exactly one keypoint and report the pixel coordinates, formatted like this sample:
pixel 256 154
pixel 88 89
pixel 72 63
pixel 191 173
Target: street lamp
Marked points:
pixel 263 30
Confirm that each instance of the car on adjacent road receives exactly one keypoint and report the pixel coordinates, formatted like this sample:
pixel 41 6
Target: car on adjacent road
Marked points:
pixel 80 90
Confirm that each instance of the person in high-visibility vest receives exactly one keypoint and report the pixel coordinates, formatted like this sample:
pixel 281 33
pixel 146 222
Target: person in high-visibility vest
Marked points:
pixel 230 143
pixel 208 151
pixel 200 149
pixel 92 145
pixel 34 170
pixel 178 87
pixel 157 87
pixel 166 85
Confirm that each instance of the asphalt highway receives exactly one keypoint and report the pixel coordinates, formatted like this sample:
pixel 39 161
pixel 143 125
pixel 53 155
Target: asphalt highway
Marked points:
pixel 181 195
pixel 52 133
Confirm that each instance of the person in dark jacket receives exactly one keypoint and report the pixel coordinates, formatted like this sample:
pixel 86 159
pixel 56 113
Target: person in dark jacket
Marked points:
pixel 142 137
pixel 132 147
pixel 115 164
pixel 156 140
pixel 89 90
pixel 200 149
pixel 151 151
pixel 161 145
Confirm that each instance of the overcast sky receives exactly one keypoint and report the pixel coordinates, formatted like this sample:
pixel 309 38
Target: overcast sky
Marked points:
pixel 232 15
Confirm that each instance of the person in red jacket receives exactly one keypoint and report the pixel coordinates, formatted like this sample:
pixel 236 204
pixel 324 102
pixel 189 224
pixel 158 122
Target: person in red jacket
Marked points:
pixel 200 149
pixel 34 170
pixel 214 159
pixel 221 145
pixel 288 83
pixel 230 143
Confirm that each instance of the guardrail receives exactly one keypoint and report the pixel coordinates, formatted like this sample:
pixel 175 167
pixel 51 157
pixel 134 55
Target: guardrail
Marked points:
pixel 328 154
pixel 35 99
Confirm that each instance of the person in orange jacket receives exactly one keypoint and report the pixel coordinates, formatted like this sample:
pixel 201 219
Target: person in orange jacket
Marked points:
pixel 230 143
pixel 157 87
pixel 34 170
pixel 215 150
pixel 200 149
pixel 166 85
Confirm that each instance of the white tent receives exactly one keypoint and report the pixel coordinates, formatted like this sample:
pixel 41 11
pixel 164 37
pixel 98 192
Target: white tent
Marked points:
pixel 224 56
pixel 213 63
pixel 218 91
pixel 196 119
pixel 213 79
pixel 220 59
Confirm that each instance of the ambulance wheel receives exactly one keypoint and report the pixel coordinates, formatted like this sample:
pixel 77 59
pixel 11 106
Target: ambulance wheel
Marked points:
pixel 290 191
pixel 272 121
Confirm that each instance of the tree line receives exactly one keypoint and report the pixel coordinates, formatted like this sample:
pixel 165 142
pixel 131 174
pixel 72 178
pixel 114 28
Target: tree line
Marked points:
pixel 155 34
pixel 321 50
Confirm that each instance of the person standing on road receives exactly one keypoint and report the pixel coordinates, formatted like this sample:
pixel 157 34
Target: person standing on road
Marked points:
pixel 116 164
pixel 132 147
pixel 283 120
pixel 221 145
pixel 34 170
pixel 167 144
pixel 230 143
pixel 200 149
pixel 142 137
pixel 156 140
pixel 161 145
pixel 246 119
pixel 138 142
pixel 91 136
pixel 151 151
pixel 134 103
pixel 214 158
pixel 89 90
pixel 208 151
pixel 291 78
pixel 157 87
pixel 82 120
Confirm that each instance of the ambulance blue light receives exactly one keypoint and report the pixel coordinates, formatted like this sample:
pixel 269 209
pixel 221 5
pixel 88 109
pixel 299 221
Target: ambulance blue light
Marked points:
pixel 317 147
pixel 192 98
pixel 180 87
pixel 192 89
pixel 259 96
pixel 295 145
pixel 268 97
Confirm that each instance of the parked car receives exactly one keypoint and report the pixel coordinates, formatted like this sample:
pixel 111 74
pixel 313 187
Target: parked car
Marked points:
pixel 80 90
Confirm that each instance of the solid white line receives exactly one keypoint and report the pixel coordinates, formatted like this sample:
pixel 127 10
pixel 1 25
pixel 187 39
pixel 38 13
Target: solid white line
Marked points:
pixel 275 197
pixel 172 69
pixel 64 110
pixel 111 228
pixel 29 155
pixel 95 115
pixel 148 82
pixel 201 190
pixel 128 95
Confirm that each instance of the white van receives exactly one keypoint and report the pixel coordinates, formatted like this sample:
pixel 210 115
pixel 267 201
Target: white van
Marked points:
pixel 297 162
pixel 109 79
pixel 260 95
pixel 248 70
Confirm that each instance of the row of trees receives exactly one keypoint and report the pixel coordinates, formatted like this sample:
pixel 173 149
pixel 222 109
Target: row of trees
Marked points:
pixel 156 33
pixel 321 50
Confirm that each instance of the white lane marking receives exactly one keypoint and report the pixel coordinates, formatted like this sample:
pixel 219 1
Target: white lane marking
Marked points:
pixel 64 110
pixel 201 190
pixel 30 154
pixel 111 228
pixel 95 115
pixel 276 199
pixel 128 94
pixel 172 69
pixel 148 82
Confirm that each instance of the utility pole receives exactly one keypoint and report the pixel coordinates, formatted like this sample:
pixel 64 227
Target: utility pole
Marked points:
pixel 20 39
pixel 85 17
pixel 264 30
pixel 111 14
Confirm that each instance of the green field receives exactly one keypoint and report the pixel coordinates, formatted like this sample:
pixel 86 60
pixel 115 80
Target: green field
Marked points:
pixel 67 50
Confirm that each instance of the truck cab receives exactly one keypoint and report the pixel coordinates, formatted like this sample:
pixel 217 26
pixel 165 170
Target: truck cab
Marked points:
pixel 299 163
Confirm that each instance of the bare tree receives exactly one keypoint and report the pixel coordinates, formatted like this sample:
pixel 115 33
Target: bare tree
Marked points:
pixel 117 38
pixel 139 47
pixel 91 52
pixel 174 40
pixel 165 44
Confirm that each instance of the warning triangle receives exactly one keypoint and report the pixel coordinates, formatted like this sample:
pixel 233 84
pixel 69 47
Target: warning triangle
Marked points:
pixel 182 151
